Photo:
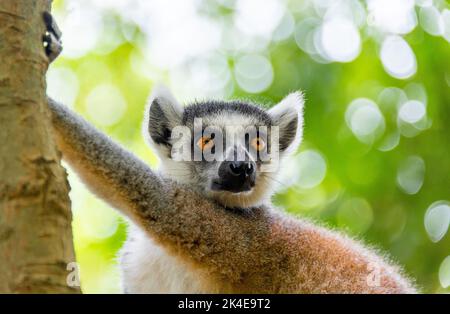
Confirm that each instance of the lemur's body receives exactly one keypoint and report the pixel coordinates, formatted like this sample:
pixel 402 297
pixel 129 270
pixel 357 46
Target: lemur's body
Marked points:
pixel 185 237
pixel 188 243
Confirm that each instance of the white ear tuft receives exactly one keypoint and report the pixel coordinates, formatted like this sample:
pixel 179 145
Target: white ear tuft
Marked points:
pixel 163 112
pixel 291 104
pixel 165 95
pixel 288 115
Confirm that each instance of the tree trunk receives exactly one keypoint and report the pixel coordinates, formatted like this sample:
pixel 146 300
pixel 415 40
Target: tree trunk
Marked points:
pixel 35 218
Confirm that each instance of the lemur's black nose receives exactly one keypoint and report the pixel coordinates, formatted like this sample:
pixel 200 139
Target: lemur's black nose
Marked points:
pixel 235 176
pixel 238 168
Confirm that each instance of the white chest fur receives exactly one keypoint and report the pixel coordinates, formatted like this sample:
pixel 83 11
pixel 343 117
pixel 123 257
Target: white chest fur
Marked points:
pixel 147 268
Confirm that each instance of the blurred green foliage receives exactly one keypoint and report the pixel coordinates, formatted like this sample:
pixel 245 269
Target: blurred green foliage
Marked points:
pixel 369 173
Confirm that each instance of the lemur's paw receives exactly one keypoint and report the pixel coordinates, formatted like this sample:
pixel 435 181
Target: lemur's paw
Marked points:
pixel 51 40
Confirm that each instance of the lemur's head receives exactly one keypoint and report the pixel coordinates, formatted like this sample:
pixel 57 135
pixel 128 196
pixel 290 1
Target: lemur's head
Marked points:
pixel 229 150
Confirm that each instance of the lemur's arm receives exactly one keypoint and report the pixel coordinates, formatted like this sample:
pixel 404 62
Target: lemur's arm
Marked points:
pixel 111 172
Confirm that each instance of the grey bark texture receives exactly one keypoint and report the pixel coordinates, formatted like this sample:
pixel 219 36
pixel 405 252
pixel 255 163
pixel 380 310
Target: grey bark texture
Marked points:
pixel 36 242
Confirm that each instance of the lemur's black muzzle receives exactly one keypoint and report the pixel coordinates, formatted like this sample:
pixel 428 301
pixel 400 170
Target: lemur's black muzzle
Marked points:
pixel 236 176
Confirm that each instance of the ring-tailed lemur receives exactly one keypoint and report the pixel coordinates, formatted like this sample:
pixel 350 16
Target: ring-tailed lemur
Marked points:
pixel 208 226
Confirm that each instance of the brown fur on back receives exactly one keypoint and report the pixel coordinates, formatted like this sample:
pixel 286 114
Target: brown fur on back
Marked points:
pixel 267 252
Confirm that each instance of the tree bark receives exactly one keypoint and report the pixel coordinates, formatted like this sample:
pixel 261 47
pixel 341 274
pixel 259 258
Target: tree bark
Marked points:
pixel 35 218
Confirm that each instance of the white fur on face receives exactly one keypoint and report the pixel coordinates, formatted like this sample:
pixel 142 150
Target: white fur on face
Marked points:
pixel 284 114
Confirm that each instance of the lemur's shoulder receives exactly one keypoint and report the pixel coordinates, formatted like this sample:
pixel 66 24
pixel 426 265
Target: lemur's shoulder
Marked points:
pixel 263 250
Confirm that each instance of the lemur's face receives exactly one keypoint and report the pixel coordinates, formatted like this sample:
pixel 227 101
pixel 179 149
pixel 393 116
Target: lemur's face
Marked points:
pixel 229 150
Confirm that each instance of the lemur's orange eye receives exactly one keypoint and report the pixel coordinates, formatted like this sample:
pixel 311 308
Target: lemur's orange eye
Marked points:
pixel 258 144
pixel 205 142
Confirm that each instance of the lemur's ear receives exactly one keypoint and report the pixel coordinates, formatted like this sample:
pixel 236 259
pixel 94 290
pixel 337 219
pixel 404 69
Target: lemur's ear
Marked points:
pixel 288 116
pixel 162 114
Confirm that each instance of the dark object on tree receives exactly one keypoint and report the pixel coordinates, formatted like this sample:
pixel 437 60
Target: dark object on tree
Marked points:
pixel 52 37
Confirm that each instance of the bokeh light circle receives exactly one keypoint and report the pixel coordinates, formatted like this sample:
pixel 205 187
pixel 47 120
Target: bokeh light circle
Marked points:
pixel 62 85
pixel 412 111
pixel 444 272
pixel 312 169
pixel 365 119
pixel 105 104
pixel 437 220
pixel 431 20
pixel 254 73
pixel 410 174
pixel 356 214
pixel 395 17
pixel 339 40
pixel 398 58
